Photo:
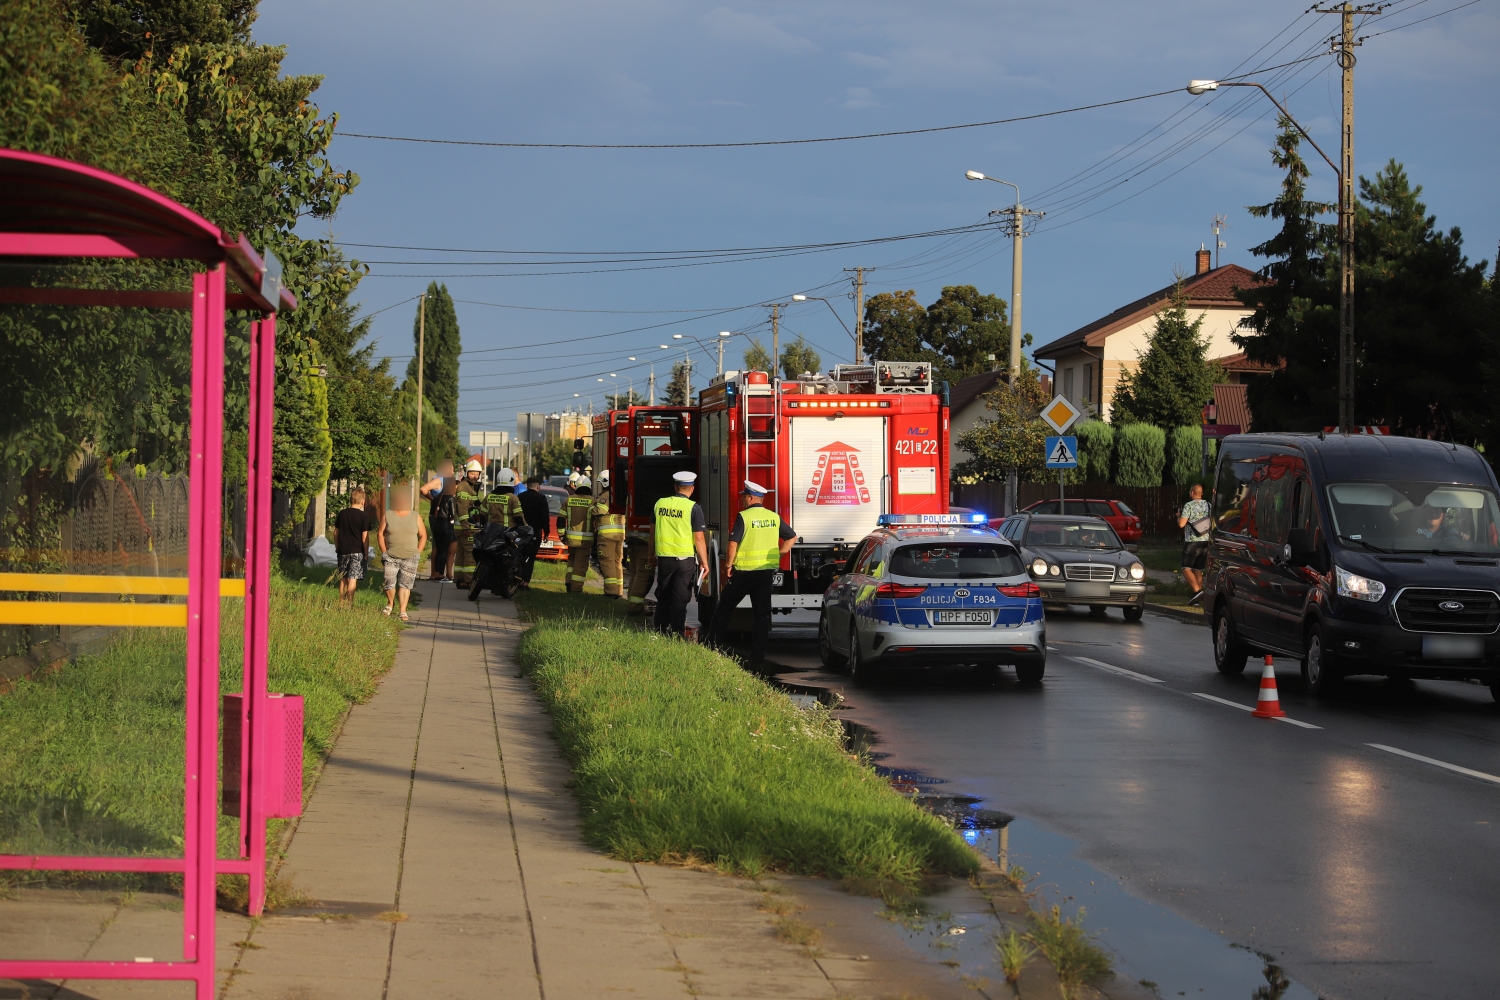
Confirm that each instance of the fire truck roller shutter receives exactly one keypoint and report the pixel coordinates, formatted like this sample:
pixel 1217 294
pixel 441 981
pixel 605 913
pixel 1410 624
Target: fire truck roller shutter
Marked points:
pixel 837 464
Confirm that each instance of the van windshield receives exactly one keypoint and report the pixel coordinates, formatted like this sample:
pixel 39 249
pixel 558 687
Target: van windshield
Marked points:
pixel 1415 517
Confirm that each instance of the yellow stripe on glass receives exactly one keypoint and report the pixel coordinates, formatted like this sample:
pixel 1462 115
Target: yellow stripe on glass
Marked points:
pixel 79 583
pixel 101 612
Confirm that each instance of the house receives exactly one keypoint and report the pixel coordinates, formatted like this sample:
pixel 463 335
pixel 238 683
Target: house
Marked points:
pixel 1090 360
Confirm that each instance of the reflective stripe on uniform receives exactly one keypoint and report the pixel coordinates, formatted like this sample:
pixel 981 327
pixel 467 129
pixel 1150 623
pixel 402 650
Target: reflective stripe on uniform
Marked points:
pixel 579 512
pixel 674 527
pixel 761 546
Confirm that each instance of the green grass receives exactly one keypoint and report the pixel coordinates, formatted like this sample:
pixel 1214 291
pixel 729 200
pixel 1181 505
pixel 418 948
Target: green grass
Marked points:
pixel 91 756
pixel 679 754
pixel 1161 557
pixel 1070 948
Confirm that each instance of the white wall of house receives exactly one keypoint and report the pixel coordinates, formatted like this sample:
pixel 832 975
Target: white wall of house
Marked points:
pixel 1078 373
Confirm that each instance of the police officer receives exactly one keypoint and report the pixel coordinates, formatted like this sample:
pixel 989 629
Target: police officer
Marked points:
pixel 466 502
pixel 759 539
pixel 577 520
pixel 609 536
pixel 679 551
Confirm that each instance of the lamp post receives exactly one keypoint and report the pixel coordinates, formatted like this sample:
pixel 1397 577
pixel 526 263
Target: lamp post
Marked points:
pixel 1346 232
pixel 1018 231
pixel 819 298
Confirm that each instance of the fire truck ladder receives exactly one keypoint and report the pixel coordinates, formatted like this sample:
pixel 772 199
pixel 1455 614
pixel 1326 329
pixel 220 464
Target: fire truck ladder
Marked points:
pixel 760 429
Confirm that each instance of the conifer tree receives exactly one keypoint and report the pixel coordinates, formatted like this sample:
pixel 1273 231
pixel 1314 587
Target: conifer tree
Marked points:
pixel 440 353
pixel 1174 377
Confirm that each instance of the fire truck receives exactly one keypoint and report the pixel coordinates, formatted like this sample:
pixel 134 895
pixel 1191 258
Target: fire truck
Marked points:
pixel 642 447
pixel 835 452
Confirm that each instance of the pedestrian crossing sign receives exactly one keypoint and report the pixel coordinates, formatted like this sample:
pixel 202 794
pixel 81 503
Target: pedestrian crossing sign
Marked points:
pixel 1062 452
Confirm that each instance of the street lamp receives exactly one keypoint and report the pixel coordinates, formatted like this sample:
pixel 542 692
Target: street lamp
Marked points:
pixel 1346 238
pixel 1018 231
pixel 819 298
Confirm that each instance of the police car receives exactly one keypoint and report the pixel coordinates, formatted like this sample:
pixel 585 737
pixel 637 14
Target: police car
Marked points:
pixel 929 589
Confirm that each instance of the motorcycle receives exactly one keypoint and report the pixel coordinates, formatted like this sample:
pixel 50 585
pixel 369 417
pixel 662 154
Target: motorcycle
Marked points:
pixel 499 555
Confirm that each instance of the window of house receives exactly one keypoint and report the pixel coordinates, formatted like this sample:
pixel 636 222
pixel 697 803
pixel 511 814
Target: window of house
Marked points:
pixel 1068 382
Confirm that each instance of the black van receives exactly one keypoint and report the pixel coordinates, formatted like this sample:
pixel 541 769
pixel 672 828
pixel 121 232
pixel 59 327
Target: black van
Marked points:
pixel 1360 555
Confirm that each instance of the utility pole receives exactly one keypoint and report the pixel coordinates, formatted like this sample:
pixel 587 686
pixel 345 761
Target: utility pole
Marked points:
pixel 416 471
pixel 721 357
pixel 1343 48
pixel 1221 223
pixel 859 312
pixel 776 338
pixel 651 390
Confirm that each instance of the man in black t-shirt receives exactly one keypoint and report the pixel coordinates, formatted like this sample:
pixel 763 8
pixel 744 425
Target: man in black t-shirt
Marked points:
pixel 351 541
pixel 539 516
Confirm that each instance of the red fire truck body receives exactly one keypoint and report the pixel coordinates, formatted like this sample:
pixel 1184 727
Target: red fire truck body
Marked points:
pixel 642 447
pixel 834 454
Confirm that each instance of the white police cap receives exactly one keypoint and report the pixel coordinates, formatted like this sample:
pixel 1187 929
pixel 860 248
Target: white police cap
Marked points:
pixel 684 477
pixel 754 489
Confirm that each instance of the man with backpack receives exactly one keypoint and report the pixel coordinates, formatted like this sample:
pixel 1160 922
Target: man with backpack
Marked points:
pixel 442 493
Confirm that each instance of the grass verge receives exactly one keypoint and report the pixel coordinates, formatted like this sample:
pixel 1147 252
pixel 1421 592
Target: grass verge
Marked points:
pixel 1070 949
pixel 91 756
pixel 679 754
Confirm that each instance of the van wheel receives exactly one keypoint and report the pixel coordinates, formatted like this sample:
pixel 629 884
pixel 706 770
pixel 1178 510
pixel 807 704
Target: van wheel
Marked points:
pixel 829 656
pixel 1319 669
pixel 1230 653
pixel 1134 614
pixel 1495 690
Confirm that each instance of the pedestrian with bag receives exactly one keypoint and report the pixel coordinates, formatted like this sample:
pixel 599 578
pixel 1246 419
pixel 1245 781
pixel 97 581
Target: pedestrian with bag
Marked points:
pixel 1195 521
pixel 402 538
pixel 679 552
pixel 441 493
pixel 756 544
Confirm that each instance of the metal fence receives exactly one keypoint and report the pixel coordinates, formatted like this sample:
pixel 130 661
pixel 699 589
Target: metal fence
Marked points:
pixel 1156 506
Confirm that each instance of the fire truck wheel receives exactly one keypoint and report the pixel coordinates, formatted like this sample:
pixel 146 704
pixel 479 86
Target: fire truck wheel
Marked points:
pixel 826 653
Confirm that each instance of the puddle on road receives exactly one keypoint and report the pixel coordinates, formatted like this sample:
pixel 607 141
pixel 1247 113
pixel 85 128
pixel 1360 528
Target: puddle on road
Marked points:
pixel 1151 945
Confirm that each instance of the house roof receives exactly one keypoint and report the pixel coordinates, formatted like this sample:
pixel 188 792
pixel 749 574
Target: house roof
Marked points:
pixel 966 390
pixel 1240 363
pixel 1231 405
pixel 1210 289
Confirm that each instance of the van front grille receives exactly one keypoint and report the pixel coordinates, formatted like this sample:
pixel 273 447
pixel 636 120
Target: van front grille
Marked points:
pixel 1421 609
pixel 1088 571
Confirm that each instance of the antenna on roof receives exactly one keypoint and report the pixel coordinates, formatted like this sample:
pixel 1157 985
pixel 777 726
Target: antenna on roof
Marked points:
pixel 1221 222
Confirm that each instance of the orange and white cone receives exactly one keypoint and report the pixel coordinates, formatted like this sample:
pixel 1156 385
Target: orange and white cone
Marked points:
pixel 1268 703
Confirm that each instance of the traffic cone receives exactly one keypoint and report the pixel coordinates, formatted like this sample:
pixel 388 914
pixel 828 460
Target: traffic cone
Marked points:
pixel 1268 704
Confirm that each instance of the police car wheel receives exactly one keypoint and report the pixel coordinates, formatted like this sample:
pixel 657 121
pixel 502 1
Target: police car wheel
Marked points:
pixel 829 656
pixel 1030 673
pixel 858 669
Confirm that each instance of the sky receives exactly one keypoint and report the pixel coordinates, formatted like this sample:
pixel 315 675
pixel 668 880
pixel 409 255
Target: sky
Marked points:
pixel 1129 190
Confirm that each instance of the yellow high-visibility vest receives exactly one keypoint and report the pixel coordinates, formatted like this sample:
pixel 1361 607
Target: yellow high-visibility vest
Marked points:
pixel 761 546
pixel 674 527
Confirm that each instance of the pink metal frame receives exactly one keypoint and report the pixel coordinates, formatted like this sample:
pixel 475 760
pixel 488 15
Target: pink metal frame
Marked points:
pixel 194 238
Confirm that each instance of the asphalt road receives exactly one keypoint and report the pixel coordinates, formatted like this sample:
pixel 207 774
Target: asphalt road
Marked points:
pixel 1365 873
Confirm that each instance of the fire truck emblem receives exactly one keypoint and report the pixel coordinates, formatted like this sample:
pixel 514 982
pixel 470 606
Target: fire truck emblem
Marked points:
pixel 838 481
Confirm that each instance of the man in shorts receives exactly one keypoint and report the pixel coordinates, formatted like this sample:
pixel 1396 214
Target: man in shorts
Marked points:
pixel 352 543
pixel 1194 543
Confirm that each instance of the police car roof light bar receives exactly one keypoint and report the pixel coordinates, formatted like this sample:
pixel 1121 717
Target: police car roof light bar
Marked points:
pixel 891 519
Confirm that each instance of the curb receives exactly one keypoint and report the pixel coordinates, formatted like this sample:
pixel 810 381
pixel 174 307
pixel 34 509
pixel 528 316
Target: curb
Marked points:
pixel 1171 611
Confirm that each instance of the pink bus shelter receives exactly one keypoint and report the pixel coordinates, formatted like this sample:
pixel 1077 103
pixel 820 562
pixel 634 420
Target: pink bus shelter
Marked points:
pixel 53 211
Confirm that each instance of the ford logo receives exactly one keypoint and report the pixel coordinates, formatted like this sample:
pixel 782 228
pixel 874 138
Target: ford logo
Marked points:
pixel 964 592
pixel 1451 606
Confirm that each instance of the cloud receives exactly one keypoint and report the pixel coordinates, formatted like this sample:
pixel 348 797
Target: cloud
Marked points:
pixel 737 26
pixel 857 98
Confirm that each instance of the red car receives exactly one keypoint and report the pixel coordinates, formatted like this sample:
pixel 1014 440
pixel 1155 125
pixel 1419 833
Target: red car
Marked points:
pixel 1120 517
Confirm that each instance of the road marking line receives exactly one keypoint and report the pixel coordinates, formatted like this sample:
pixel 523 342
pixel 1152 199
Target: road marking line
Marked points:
pixel 1100 664
pixel 1251 708
pixel 1439 763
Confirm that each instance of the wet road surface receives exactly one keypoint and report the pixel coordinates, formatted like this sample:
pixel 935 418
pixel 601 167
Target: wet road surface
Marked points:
pixel 1330 848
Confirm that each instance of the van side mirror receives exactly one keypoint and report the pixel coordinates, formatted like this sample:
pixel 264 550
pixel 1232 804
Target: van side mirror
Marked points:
pixel 1299 547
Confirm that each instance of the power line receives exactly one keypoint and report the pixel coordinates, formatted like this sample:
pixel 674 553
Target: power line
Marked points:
pixel 1419 20
pixel 762 142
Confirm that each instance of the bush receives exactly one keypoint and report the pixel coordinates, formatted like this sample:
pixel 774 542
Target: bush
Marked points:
pixel 1096 450
pixel 1185 454
pixel 1140 453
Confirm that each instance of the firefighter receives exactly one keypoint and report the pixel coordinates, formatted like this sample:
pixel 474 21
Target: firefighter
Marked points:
pixel 642 573
pixel 759 539
pixel 577 522
pixel 466 501
pixel 679 551
pixel 609 536
pixel 502 505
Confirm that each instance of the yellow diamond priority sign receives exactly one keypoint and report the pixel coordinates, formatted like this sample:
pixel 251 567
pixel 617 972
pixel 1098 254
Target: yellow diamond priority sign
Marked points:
pixel 1060 414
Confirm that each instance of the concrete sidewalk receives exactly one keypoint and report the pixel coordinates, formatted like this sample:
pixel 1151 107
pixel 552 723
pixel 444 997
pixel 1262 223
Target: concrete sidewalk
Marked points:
pixel 443 848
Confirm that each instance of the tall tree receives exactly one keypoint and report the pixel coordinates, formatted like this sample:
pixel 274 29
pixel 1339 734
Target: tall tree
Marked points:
pixel 440 350
pixel 957 333
pixel 1173 378
pixel 1419 315
pixel 678 390
pixel 1013 439
pixel 799 357
pixel 1296 315
pixel 757 358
